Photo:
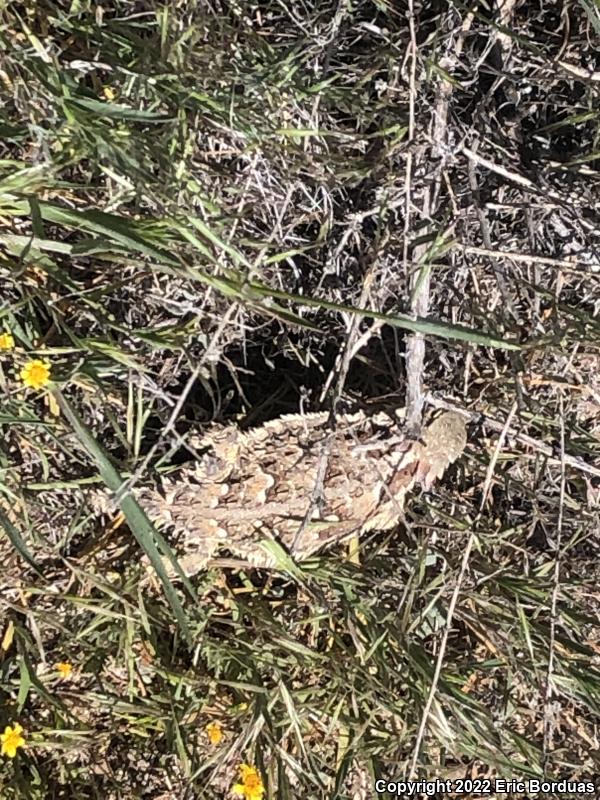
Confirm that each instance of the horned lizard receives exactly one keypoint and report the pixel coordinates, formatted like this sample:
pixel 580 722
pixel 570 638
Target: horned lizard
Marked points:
pixel 300 482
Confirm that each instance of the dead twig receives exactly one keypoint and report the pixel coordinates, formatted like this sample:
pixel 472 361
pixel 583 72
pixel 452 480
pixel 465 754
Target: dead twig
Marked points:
pixel 528 258
pixel 420 284
pixel 575 462
pixel 554 599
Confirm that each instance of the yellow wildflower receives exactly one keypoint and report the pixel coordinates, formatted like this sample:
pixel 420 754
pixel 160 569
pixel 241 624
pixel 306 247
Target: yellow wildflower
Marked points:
pixel 109 93
pixel 214 731
pixel 7 341
pixel 11 740
pixel 251 786
pixel 36 373
pixel 65 669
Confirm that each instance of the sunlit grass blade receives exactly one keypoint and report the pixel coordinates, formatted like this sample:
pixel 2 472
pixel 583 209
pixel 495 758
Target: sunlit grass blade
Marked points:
pixel 444 330
pixel 141 527
pixel 114 110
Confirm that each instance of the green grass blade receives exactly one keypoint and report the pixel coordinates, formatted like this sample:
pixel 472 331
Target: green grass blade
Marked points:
pixel 114 110
pixel 17 542
pixel 141 527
